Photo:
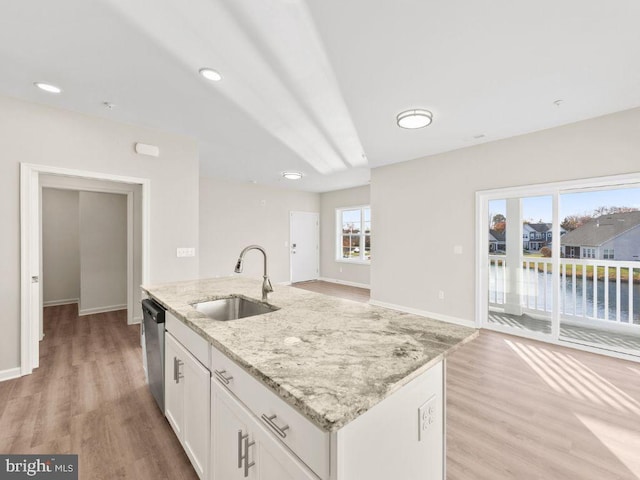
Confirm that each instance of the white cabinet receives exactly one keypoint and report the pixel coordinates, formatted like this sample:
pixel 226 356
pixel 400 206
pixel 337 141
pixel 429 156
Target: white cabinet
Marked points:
pixel 242 448
pixel 187 402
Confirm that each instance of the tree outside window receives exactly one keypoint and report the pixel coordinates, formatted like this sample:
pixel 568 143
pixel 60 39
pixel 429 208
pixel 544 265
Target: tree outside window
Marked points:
pixel 354 234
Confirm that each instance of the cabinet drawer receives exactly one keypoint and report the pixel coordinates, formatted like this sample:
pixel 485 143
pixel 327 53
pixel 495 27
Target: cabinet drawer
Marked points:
pixel 192 341
pixel 306 440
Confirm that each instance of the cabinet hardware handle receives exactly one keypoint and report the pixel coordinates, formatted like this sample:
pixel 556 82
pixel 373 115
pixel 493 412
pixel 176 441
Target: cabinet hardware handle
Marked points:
pixel 177 363
pixel 220 374
pixel 243 458
pixel 247 465
pixel 279 430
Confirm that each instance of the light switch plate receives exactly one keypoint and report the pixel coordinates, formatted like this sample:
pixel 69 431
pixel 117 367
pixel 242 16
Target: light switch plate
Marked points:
pixel 426 417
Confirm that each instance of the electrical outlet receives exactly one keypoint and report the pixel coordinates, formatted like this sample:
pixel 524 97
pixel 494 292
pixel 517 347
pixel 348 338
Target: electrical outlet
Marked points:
pixel 441 294
pixel 426 417
pixel 457 249
pixel 185 252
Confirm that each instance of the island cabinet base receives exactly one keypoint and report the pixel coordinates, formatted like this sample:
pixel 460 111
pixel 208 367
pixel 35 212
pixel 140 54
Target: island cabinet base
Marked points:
pixel 400 438
pixel 255 434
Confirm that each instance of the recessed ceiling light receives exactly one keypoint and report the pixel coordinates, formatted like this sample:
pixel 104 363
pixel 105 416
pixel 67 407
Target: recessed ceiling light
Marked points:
pixel 47 87
pixel 416 118
pixel 292 175
pixel 210 74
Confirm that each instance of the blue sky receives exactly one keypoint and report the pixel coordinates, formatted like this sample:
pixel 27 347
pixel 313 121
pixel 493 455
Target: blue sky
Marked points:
pixel 539 208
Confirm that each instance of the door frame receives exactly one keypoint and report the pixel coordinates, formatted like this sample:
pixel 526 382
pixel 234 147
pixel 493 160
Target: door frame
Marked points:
pixel 317 216
pixel 555 190
pixel 31 248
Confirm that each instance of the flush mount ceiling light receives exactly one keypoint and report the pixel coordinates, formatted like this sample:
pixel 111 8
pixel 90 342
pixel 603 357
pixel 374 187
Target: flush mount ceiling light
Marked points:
pixel 415 118
pixel 210 74
pixel 47 87
pixel 292 175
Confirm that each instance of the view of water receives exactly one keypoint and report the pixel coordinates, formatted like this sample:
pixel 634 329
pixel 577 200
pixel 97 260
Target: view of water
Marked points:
pixel 567 304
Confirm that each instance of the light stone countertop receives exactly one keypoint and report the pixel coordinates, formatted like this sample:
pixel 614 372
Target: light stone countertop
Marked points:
pixel 330 358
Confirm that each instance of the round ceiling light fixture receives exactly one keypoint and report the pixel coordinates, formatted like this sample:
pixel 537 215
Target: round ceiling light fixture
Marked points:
pixel 47 87
pixel 416 118
pixel 292 175
pixel 210 74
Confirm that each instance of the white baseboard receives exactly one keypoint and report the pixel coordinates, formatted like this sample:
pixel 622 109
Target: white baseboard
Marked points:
pixel 424 313
pixel 110 308
pixel 9 374
pixel 345 282
pixel 55 303
pixel 284 283
pixel 136 320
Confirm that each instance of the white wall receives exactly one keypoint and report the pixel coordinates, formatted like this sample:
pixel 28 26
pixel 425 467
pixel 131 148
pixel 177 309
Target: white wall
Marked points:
pixel 430 203
pixel 234 215
pixel 49 136
pixel 330 268
pixel 103 252
pixel 60 246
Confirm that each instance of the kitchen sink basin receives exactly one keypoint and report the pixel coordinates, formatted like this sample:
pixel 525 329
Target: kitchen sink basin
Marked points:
pixel 232 308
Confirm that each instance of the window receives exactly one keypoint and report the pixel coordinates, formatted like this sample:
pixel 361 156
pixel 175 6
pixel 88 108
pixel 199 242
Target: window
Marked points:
pixel 354 234
pixel 608 253
pixel 588 252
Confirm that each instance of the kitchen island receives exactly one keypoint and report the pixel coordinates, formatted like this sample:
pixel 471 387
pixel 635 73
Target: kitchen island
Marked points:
pixel 365 384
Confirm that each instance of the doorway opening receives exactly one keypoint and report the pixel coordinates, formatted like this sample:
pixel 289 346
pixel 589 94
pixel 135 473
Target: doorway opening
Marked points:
pixel 127 192
pixel 561 263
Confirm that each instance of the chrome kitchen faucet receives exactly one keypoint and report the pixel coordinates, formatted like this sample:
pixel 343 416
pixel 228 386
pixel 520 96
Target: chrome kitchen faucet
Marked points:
pixel 266 283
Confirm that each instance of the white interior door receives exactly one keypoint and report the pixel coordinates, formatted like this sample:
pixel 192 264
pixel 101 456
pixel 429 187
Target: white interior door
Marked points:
pixel 305 246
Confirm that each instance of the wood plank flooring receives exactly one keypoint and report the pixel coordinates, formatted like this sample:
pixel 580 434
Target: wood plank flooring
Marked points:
pixel 520 409
pixel 89 397
pixel 516 409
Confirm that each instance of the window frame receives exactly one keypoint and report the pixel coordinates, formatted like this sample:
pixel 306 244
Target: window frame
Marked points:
pixel 339 235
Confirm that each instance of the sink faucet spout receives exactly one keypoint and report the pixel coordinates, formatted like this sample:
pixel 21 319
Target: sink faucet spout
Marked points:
pixel 266 283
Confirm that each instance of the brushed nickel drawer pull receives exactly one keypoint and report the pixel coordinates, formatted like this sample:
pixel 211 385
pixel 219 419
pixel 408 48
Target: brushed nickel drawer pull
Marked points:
pixel 243 458
pixel 247 465
pixel 177 363
pixel 220 374
pixel 279 430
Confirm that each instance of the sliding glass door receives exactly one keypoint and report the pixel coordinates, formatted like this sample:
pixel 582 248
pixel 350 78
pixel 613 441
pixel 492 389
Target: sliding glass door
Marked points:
pixel 561 263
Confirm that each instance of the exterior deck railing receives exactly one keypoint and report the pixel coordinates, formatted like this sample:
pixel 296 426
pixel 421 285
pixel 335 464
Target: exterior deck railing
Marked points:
pixel 602 290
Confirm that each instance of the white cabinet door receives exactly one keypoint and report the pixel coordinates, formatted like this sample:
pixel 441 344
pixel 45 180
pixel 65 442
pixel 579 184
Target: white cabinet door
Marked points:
pixel 227 422
pixel 173 384
pixel 196 414
pixel 186 402
pixel 243 449
pixel 275 461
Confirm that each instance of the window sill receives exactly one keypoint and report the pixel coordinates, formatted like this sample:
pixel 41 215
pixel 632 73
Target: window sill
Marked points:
pixel 356 262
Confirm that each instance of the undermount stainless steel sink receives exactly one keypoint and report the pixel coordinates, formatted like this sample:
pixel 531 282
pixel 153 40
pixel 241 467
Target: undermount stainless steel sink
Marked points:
pixel 232 308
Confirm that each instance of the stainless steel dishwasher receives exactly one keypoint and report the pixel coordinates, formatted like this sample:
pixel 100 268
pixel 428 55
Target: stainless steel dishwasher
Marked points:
pixel 153 325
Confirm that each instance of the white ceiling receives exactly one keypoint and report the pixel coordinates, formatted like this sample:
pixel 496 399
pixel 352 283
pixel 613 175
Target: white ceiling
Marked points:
pixel 312 86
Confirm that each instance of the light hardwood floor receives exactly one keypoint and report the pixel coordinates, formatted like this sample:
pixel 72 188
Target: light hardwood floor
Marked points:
pixel 516 409
pixel 89 397
pixel 520 410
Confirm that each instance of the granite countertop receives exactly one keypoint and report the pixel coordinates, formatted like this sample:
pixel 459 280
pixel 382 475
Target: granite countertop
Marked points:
pixel 330 358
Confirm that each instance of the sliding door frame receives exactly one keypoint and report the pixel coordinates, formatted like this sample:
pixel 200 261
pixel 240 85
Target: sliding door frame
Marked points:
pixel 555 189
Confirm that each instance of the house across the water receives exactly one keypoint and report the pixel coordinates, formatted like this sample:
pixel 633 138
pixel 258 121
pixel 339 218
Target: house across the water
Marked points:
pixel 614 236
